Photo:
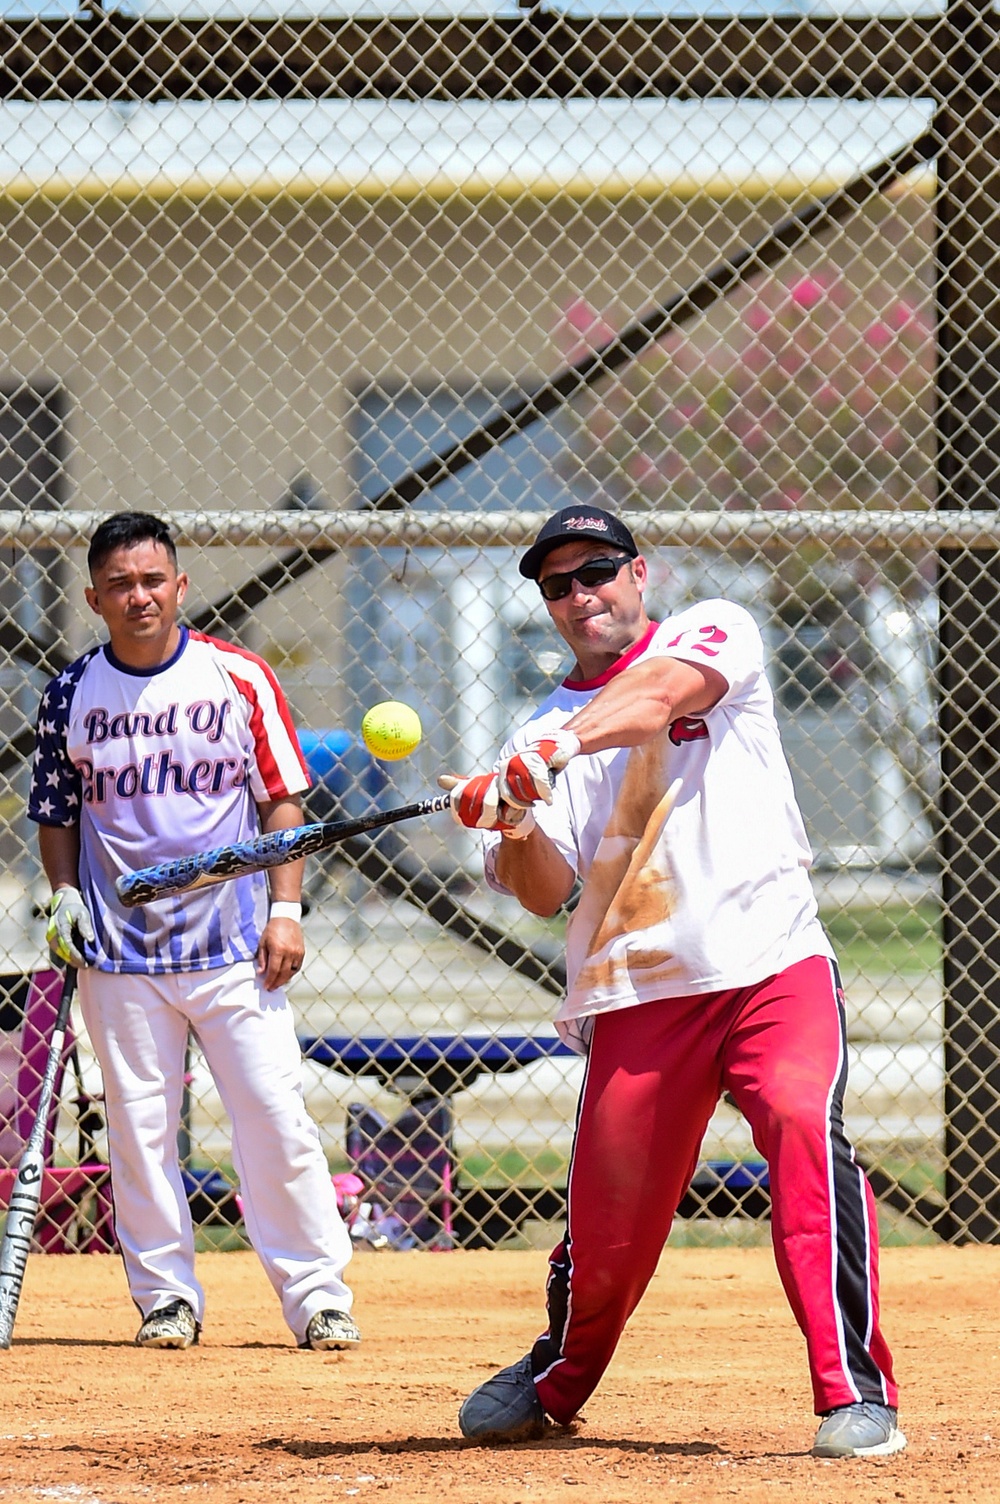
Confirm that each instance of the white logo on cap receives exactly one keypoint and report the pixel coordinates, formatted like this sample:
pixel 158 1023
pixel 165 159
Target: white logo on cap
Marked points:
pixel 596 524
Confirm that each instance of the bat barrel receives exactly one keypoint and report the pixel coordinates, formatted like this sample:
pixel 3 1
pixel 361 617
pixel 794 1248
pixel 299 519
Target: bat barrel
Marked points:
pixel 26 1192
pixel 274 849
pixel 16 1244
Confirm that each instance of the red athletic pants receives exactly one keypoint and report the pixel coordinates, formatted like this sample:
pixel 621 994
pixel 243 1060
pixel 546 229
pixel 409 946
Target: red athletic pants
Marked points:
pixel 654 1075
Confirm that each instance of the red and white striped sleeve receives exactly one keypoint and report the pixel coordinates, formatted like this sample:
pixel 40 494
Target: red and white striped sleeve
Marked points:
pixel 279 768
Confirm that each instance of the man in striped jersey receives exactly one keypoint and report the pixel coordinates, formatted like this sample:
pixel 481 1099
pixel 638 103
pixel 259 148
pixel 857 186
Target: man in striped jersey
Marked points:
pixel 696 964
pixel 161 742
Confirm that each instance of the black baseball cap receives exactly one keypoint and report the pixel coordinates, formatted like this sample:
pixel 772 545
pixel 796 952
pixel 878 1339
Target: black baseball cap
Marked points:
pixel 577 522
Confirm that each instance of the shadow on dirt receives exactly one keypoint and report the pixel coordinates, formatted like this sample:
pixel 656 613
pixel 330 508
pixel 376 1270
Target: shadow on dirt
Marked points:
pixel 72 1342
pixel 559 1442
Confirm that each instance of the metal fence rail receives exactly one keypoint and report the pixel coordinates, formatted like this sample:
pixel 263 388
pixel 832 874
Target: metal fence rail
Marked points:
pixel 876 532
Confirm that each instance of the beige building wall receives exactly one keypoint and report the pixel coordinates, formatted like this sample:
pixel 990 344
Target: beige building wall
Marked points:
pixel 212 353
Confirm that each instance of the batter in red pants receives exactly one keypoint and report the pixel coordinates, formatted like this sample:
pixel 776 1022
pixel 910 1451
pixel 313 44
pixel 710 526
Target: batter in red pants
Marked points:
pixel 656 1073
pixel 654 778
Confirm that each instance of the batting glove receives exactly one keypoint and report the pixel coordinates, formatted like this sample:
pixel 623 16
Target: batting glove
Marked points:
pixel 476 804
pixel 525 777
pixel 69 923
pixel 516 823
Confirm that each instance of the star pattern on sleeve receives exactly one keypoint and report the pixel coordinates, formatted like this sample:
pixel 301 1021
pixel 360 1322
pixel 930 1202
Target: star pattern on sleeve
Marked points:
pixel 54 798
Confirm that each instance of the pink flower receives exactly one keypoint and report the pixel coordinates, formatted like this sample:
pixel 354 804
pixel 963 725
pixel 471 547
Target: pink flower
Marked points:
pixel 901 313
pixel 807 292
pixel 579 314
pixel 879 334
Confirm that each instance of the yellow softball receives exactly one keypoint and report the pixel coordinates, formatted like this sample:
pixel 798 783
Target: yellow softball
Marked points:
pixel 391 730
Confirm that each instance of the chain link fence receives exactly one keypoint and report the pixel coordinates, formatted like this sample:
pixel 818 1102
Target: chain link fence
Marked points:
pixel 357 293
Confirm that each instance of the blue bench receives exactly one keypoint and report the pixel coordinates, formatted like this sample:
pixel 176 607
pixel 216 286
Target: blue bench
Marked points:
pixel 443 1063
pixel 427 1070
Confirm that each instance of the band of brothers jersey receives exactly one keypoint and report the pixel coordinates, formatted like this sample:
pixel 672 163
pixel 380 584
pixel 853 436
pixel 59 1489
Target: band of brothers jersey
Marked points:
pixel 690 848
pixel 157 764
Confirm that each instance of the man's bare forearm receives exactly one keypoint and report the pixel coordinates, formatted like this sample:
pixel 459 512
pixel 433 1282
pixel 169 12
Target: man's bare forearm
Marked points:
pixel 535 872
pixel 59 848
pixel 283 814
pixel 639 703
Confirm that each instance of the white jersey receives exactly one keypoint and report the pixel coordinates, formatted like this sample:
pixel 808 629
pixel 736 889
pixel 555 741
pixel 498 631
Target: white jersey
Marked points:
pixel 159 764
pixel 691 849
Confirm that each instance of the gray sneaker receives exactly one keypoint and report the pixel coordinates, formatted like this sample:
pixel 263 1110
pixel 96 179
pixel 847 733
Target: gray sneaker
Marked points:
pixel 329 1331
pixel 173 1325
pixel 505 1408
pixel 860 1430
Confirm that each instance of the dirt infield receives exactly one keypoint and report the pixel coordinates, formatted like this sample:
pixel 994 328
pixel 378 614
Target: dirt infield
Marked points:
pixel 707 1398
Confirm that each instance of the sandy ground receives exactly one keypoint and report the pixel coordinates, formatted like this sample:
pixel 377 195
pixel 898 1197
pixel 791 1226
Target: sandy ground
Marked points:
pixel 707 1398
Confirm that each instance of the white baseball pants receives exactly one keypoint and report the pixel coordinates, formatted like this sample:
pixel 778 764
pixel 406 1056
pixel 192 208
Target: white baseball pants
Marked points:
pixel 138 1025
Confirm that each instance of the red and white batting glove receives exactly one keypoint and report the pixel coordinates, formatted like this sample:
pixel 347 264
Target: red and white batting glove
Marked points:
pixel 525 777
pixel 476 804
pixel 515 824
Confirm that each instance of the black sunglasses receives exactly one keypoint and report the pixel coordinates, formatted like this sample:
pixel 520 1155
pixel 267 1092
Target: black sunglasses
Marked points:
pixel 593 574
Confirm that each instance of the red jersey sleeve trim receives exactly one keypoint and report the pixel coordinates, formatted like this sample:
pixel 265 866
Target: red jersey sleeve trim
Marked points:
pixel 267 764
pixel 616 668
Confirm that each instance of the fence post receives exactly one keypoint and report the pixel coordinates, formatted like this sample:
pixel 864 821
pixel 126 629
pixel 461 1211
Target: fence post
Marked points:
pixel 968 259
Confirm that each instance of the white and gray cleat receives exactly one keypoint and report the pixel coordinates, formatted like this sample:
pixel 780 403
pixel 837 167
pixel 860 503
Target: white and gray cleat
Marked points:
pixel 860 1430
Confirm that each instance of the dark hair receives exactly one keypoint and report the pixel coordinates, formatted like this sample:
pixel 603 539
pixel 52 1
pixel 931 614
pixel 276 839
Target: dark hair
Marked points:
pixel 125 530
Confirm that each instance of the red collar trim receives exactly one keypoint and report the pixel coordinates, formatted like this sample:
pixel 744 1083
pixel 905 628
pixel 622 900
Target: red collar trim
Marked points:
pixel 617 667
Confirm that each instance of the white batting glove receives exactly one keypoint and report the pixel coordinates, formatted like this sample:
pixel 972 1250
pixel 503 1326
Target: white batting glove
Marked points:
pixel 525 777
pixel 69 921
pixel 476 804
